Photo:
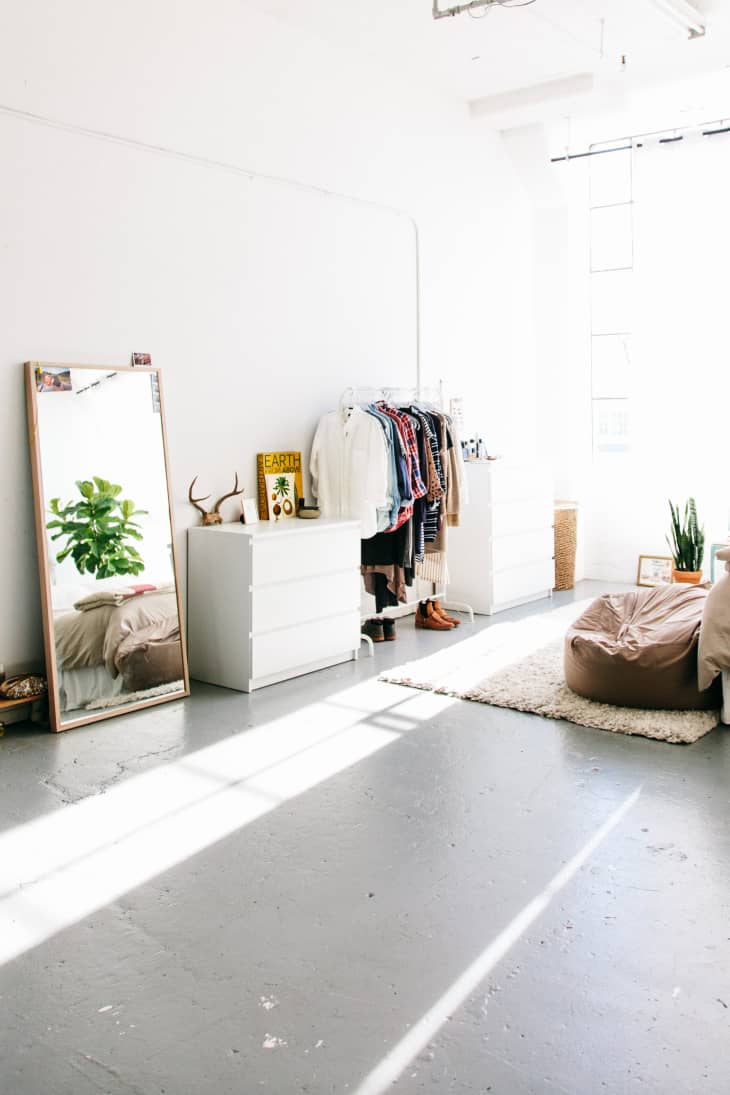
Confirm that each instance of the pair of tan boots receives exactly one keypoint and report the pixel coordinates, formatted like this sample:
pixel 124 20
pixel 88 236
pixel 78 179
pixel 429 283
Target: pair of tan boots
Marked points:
pixel 431 616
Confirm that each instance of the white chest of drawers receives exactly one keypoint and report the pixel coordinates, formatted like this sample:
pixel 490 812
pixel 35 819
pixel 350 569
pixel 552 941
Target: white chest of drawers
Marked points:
pixel 273 600
pixel 501 554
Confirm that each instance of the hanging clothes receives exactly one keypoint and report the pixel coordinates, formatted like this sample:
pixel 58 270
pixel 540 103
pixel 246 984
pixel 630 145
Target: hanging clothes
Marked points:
pixel 399 471
pixel 399 486
pixel 350 468
pixel 432 566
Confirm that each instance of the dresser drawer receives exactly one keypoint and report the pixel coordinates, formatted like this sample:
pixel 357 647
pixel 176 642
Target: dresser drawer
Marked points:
pixel 525 515
pixel 522 548
pixel 513 585
pixel 280 651
pixel 513 484
pixel 304 600
pixel 285 558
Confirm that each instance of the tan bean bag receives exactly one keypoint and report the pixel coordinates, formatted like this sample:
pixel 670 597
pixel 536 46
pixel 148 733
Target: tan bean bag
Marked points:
pixel 640 650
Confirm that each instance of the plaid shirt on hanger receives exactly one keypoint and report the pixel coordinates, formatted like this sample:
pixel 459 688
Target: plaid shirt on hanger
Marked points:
pixel 411 446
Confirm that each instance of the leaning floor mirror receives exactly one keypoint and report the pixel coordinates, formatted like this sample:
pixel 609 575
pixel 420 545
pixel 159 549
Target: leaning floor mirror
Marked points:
pixel 112 616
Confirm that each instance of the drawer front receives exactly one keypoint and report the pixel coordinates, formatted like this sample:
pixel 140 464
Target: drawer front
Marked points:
pixel 512 585
pixel 522 548
pixel 528 515
pixel 304 600
pixel 280 651
pixel 513 484
pixel 289 557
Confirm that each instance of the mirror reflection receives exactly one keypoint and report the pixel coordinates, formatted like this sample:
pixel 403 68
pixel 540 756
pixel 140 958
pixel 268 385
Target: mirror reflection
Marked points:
pixel 113 605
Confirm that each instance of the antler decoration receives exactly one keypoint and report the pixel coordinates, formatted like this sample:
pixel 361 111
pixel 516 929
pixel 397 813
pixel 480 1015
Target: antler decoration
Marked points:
pixel 223 497
pixel 195 501
pixel 213 517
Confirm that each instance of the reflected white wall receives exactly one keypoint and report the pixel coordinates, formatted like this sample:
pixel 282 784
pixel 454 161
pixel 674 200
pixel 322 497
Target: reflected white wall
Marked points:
pixel 107 426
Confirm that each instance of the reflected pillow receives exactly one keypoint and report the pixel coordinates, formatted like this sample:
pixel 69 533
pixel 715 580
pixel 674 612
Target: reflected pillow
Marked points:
pixel 152 664
pixel 119 596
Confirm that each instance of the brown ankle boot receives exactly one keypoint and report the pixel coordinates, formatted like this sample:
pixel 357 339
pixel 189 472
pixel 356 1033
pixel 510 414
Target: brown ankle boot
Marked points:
pixel 373 628
pixel 427 618
pixel 440 612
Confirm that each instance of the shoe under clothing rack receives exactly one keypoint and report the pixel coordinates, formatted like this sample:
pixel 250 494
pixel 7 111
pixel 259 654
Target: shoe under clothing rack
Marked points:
pixel 410 608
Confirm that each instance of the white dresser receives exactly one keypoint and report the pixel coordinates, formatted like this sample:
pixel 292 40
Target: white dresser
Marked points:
pixel 272 600
pixel 501 554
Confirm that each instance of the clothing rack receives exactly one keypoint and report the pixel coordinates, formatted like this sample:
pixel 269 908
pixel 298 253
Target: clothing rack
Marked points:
pixel 363 394
pixel 369 393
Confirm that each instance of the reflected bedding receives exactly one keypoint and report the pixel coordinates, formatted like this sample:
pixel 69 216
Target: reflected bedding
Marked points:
pixel 137 641
pixel 81 687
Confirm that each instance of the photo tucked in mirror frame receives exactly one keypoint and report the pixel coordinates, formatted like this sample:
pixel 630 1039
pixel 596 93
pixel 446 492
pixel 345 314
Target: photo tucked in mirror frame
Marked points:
pixel 112 617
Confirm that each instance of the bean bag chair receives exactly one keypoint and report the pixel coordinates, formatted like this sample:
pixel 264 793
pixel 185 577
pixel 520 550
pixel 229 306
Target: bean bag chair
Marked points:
pixel 639 649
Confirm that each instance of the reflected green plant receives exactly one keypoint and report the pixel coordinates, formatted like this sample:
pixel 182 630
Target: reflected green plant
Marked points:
pixel 98 529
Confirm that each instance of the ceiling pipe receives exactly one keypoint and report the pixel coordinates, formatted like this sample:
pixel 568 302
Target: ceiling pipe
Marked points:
pixel 457 9
pixel 684 15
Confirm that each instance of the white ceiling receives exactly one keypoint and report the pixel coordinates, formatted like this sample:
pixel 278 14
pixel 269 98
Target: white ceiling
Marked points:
pixel 515 48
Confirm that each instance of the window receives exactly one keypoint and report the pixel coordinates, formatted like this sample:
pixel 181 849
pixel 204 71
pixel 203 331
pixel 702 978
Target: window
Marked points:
pixel 612 295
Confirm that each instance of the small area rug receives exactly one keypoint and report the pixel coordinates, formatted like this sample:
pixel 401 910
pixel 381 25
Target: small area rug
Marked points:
pixel 124 698
pixel 520 665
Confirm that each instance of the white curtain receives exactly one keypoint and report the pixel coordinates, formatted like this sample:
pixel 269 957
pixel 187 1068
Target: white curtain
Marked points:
pixel 680 386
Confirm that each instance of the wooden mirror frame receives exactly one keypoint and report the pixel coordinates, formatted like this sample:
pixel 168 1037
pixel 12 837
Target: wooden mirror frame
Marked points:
pixel 44 561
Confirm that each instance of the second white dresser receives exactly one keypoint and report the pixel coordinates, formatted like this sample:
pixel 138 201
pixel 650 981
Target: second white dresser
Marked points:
pixel 272 600
pixel 501 554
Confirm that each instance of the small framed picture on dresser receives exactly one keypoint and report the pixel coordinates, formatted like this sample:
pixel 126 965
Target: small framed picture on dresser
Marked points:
pixel 655 570
pixel 249 511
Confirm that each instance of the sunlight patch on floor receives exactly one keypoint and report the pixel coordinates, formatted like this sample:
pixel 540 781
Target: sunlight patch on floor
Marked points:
pixel 460 666
pixel 61 867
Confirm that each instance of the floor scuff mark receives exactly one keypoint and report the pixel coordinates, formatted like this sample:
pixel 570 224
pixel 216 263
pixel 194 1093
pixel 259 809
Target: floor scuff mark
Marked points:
pixel 272 1042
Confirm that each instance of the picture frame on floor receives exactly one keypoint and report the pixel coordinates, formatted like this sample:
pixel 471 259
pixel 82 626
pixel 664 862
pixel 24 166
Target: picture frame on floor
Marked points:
pixel 654 570
pixel 717 566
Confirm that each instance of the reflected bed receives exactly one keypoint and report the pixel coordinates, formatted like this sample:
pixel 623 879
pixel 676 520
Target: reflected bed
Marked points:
pixel 114 648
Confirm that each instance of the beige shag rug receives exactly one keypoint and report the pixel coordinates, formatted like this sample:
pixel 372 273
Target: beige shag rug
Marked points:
pixel 520 665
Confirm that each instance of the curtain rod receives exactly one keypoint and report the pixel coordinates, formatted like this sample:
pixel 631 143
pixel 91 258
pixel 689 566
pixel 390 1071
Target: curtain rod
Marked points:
pixel 594 152
pixel 635 143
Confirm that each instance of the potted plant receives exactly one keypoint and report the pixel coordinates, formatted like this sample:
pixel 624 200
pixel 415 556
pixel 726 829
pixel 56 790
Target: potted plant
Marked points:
pixel 687 544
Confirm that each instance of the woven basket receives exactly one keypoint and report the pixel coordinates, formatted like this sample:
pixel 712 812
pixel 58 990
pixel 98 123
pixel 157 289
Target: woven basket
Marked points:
pixel 566 535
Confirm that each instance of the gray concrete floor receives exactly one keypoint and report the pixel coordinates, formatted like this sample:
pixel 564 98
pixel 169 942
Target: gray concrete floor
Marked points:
pixel 183 940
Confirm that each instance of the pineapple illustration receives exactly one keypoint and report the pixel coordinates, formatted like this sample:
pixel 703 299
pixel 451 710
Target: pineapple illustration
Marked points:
pixel 280 497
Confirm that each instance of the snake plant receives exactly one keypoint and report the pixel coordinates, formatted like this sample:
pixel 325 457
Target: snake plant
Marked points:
pixel 688 539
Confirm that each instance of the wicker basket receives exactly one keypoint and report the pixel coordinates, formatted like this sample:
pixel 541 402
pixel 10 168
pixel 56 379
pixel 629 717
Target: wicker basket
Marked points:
pixel 566 534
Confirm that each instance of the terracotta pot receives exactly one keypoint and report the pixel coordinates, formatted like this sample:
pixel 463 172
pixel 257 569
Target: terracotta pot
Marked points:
pixel 689 577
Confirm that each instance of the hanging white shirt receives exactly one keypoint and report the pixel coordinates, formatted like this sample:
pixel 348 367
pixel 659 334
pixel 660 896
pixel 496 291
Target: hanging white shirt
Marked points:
pixel 350 468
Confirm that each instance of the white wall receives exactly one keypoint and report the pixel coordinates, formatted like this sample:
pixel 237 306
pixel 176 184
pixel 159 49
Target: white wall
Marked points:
pixel 556 306
pixel 105 248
